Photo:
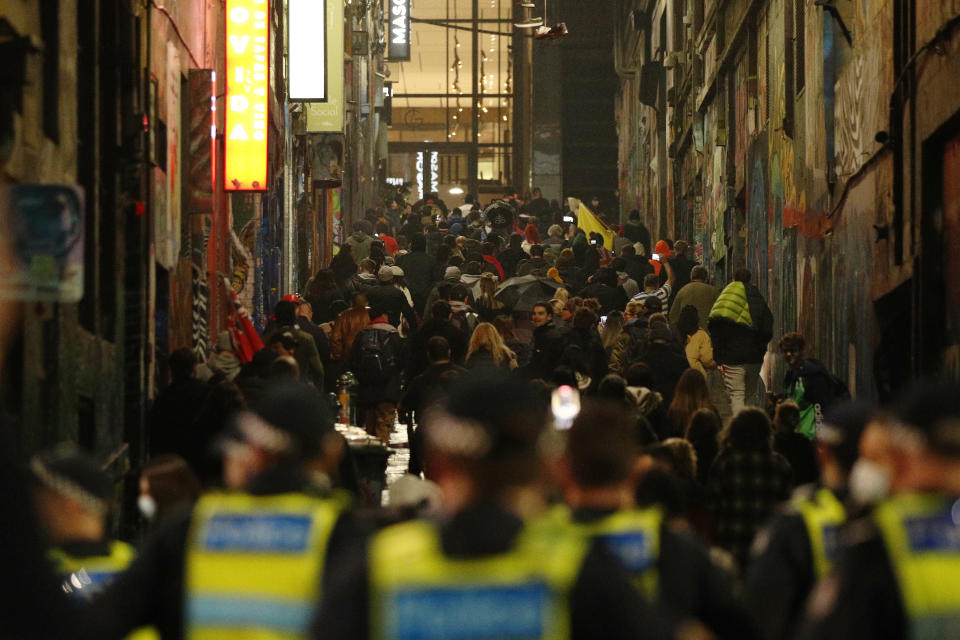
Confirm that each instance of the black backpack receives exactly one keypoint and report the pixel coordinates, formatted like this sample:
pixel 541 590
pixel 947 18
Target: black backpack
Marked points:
pixel 377 358
pixel 637 345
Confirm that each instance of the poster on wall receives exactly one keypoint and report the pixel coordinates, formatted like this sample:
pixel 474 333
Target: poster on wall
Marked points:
pixel 45 258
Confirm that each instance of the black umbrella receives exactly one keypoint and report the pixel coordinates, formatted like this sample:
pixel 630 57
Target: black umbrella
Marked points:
pixel 522 292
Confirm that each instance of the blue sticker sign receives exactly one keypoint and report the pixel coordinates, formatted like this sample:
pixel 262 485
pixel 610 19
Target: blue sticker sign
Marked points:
pixel 469 613
pixel 633 549
pixel 257 533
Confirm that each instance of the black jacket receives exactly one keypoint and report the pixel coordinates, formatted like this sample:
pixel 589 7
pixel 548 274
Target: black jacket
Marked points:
pixel 636 232
pixel 456 338
pixel 548 343
pixel 735 343
pixel 392 301
pixel 667 366
pixel 417 267
pixel 611 298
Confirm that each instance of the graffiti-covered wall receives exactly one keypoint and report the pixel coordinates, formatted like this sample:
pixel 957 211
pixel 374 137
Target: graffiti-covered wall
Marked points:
pixel 810 165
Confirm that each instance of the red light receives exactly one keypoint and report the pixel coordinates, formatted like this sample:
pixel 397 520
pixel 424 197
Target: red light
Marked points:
pixel 146 122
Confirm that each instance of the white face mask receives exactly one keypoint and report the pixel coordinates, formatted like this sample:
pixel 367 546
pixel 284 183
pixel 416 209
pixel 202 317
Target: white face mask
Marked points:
pixel 869 482
pixel 147 506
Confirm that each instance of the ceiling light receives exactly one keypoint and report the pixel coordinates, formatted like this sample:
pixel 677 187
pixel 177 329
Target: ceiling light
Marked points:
pixel 455 191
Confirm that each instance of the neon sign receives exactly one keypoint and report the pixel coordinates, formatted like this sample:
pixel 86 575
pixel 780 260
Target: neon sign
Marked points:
pixel 398 48
pixel 248 79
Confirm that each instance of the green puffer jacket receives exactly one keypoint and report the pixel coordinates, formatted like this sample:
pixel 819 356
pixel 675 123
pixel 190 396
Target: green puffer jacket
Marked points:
pixel 740 325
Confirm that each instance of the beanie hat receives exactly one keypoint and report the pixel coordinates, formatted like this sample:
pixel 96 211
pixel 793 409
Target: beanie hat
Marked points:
pixel 452 272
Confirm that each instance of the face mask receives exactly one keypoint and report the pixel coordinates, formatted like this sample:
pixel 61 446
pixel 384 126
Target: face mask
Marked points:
pixel 147 506
pixel 869 482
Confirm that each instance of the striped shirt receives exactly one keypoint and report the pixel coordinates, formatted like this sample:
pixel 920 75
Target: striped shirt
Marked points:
pixel 663 293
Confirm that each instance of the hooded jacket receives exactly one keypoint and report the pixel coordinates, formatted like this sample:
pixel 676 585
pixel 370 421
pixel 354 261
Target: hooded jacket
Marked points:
pixel 740 325
pixel 360 243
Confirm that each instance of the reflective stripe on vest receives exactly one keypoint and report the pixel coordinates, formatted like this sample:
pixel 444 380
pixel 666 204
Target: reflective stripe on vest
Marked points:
pixel 83 576
pixel 254 565
pixel 922 537
pixel 823 515
pixel 417 593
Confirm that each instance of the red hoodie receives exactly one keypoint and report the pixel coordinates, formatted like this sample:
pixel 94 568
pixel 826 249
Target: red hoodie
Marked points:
pixel 662 249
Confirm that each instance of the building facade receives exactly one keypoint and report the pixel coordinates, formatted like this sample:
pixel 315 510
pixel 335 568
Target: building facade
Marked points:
pixel 812 143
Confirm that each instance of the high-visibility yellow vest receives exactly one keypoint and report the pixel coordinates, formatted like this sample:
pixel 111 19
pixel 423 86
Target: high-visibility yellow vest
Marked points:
pixel 84 576
pixel 823 515
pixel 419 593
pixel 922 536
pixel 632 535
pixel 254 564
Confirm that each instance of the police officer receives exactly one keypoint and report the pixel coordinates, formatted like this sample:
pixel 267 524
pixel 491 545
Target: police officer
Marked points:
pixel 669 566
pixel 799 546
pixel 73 497
pixel 900 575
pixel 246 562
pixel 479 572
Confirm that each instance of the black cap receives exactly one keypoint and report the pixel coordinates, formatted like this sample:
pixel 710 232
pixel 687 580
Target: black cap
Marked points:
pixel 932 408
pixel 489 417
pixel 74 475
pixel 290 419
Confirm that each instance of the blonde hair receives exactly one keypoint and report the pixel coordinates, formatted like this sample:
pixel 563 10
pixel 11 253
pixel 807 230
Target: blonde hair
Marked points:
pixel 561 294
pixel 486 335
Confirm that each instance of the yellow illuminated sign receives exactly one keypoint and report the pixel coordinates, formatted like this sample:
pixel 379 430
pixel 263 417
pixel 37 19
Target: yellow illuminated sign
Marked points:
pixel 248 79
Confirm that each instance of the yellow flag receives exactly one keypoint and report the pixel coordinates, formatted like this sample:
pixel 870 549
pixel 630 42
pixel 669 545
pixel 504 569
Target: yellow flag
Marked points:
pixel 590 223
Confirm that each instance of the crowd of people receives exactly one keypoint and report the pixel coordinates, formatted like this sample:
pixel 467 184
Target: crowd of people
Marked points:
pixel 593 454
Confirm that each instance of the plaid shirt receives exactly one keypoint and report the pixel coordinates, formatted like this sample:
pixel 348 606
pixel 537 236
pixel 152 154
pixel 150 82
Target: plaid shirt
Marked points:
pixel 743 490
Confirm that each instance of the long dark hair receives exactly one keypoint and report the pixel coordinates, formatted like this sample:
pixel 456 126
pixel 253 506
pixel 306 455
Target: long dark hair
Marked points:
pixel 689 322
pixel 749 431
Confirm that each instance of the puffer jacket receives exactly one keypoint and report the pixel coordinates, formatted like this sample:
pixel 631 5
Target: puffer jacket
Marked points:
pixel 360 243
pixel 740 325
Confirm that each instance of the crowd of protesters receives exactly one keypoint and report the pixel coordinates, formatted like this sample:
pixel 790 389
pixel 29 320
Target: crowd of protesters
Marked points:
pixel 593 454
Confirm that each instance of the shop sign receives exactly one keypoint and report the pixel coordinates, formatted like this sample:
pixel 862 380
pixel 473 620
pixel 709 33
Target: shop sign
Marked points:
pixel 308 50
pixel 398 46
pixel 248 80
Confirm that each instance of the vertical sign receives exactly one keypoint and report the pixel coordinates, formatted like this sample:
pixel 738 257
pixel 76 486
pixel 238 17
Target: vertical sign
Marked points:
pixel 248 31
pixel 308 49
pixel 328 116
pixel 427 173
pixel 398 45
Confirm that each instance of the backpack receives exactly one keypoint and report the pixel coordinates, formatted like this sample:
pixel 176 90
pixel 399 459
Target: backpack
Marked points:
pixel 377 358
pixel 838 388
pixel 637 345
